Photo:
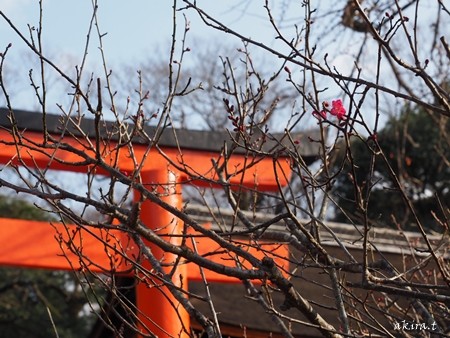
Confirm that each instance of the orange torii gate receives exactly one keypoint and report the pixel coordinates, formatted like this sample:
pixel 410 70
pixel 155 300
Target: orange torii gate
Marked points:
pixel 66 247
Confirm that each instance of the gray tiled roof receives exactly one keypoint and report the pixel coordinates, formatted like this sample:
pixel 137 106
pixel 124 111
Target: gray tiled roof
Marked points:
pixel 382 239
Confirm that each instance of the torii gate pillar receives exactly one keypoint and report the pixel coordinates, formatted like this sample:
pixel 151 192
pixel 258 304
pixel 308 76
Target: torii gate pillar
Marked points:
pixel 156 305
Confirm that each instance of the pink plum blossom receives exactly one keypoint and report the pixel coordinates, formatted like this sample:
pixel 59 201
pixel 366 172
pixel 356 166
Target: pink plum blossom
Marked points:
pixel 337 109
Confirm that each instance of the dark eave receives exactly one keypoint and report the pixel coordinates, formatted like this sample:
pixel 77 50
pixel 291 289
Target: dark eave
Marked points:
pixel 200 140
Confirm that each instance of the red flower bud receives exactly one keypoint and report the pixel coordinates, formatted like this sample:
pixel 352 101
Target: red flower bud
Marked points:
pixel 320 115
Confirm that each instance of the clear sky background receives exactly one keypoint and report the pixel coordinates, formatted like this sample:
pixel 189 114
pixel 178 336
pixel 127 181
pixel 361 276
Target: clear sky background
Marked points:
pixel 135 31
pixel 131 26
pixel 134 28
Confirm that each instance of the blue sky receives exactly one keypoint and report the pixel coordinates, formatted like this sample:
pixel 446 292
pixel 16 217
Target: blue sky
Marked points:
pixel 133 28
